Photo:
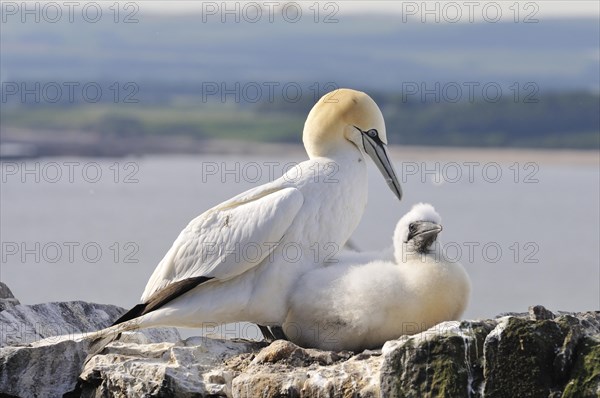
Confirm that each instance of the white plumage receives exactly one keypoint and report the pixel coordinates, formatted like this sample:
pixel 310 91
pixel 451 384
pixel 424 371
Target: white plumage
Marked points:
pixel 256 245
pixel 353 305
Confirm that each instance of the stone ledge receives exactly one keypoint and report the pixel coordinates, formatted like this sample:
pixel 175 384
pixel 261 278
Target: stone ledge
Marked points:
pixel 534 354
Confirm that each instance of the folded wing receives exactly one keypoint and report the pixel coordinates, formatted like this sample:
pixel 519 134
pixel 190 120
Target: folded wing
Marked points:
pixel 227 240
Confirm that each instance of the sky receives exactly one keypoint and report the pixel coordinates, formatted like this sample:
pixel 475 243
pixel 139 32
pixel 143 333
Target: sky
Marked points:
pixel 541 8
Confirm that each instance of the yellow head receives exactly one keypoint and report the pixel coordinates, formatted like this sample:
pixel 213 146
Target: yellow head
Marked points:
pixel 344 119
pixel 334 119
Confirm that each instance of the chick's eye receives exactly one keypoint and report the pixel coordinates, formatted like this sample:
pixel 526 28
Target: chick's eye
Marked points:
pixel 372 133
pixel 412 227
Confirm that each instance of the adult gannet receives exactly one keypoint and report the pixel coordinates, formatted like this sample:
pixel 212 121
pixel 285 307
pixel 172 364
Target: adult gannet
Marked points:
pixel 355 306
pixel 237 261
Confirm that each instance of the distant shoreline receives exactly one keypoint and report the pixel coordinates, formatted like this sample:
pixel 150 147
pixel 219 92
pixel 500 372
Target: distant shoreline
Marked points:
pixel 500 155
pixel 38 144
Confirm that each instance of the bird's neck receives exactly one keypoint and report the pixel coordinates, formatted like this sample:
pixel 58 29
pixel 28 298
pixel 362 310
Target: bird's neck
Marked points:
pixel 407 253
pixel 343 152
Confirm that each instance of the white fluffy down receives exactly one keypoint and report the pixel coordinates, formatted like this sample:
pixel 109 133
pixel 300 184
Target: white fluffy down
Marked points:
pixel 419 212
pixel 350 306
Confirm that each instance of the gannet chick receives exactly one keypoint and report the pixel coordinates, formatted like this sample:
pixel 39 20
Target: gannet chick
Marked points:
pixel 238 260
pixel 355 306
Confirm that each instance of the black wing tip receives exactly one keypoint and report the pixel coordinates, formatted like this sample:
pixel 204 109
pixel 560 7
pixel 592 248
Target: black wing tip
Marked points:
pixel 162 297
pixel 136 311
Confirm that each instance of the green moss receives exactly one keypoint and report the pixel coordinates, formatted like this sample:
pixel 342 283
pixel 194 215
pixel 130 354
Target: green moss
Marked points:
pixel 520 364
pixel 585 375
pixel 437 368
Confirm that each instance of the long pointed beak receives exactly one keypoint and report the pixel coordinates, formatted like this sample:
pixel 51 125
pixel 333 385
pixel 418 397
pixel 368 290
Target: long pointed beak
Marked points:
pixel 376 150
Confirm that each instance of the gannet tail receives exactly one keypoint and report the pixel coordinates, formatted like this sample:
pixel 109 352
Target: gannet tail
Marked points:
pixel 101 338
pixel 162 297
pixel 130 320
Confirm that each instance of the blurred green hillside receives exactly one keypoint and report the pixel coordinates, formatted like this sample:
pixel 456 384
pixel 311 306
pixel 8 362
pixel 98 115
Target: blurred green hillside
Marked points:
pixel 566 120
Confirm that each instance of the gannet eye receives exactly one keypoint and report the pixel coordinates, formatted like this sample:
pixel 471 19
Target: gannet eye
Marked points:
pixel 372 133
pixel 412 227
